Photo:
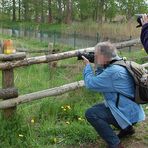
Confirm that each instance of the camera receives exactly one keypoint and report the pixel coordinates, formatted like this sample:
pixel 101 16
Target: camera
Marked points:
pixel 88 55
pixel 139 16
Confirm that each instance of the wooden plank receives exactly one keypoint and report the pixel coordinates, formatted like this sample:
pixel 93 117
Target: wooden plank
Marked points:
pixel 8 82
pixel 8 93
pixel 14 56
pixel 44 93
pixel 41 94
pixel 59 56
pixel 32 51
pixel 145 65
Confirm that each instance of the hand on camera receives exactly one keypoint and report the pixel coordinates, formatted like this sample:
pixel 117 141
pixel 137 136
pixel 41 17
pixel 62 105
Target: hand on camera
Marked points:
pixel 86 61
pixel 144 19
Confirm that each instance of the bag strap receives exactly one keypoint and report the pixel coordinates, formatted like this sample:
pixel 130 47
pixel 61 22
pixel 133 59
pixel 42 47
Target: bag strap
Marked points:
pixel 123 64
pixel 117 101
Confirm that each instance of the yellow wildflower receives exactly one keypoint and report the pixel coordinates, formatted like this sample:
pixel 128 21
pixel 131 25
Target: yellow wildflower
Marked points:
pixel 32 120
pixel 54 140
pixel 67 122
pixel 81 119
pixel 20 135
pixel 146 108
pixel 64 109
pixel 68 107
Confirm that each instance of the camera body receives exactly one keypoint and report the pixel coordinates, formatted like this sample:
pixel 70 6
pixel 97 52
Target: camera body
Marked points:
pixel 88 55
pixel 139 16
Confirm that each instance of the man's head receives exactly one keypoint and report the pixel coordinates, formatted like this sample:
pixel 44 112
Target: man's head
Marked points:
pixel 104 53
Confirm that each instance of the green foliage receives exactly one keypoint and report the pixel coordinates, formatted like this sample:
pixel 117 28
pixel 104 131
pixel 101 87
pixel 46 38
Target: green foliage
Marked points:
pixel 129 8
pixel 14 132
pixel 51 11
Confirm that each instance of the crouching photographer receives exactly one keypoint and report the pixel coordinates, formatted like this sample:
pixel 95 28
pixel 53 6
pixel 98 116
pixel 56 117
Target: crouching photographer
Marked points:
pixel 143 21
pixel 115 82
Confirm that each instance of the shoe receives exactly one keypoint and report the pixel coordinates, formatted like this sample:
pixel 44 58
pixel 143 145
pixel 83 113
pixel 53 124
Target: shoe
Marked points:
pixel 118 146
pixel 126 132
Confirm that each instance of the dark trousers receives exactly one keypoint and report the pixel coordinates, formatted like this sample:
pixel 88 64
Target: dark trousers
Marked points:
pixel 100 117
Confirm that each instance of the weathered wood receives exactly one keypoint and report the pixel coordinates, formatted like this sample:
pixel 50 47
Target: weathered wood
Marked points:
pixel 145 65
pixel 8 82
pixel 41 94
pixel 32 51
pixel 127 43
pixel 59 56
pixel 45 93
pixel 14 56
pixel 8 93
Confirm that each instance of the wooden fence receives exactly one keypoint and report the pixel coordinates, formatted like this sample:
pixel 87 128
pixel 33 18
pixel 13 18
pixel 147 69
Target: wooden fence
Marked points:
pixel 9 93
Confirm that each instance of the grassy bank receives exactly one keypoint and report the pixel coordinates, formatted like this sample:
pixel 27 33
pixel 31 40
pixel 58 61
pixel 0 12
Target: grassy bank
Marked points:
pixel 57 122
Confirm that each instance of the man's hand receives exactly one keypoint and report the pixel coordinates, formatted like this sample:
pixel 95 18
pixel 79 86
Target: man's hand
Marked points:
pixel 86 61
pixel 144 19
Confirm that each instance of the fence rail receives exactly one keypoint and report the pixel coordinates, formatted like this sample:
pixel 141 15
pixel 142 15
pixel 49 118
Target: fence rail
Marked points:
pixel 59 56
pixel 41 94
pixel 9 93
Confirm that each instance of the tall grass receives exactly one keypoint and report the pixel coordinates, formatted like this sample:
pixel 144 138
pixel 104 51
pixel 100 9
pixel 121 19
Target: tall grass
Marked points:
pixel 106 30
pixel 118 31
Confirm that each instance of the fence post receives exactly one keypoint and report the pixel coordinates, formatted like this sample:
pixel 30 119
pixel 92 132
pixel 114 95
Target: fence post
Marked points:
pixel 13 32
pixel 130 46
pixel 8 82
pixel 54 38
pixel 97 37
pixel 74 39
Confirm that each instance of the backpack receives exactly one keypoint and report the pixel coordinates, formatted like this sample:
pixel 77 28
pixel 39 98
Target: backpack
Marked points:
pixel 140 76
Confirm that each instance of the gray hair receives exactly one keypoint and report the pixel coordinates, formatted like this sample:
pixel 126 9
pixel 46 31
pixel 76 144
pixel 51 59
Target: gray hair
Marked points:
pixel 107 49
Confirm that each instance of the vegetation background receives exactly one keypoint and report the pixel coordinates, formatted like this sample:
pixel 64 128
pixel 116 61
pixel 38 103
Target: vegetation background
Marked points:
pixel 59 122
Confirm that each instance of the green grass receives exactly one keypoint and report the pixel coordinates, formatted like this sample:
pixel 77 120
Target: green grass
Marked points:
pixel 54 126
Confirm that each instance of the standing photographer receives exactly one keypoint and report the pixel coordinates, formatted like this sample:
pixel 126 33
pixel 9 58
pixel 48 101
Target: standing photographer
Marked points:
pixel 144 32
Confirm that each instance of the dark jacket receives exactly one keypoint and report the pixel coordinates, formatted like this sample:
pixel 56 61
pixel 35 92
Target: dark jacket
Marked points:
pixel 144 37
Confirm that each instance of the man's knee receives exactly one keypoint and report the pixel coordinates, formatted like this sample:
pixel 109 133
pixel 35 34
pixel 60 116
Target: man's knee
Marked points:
pixel 92 114
pixel 89 113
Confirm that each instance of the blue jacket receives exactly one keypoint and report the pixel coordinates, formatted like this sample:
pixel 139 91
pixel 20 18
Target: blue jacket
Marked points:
pixel 144 37
pixel 110 81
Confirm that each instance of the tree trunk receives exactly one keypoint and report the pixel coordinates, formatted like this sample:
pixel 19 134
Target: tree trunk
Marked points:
pixel 42 12
pixel 100 10
pixel 68 19
pixel 19 11
pixel 26 10
pixel 14 11
pixel 60 11
pixel 49 12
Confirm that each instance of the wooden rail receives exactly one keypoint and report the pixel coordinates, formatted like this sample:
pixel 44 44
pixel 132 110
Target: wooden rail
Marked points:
pixel 9 62
pixel 44 93
pixel 41 94
pixel 59 56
